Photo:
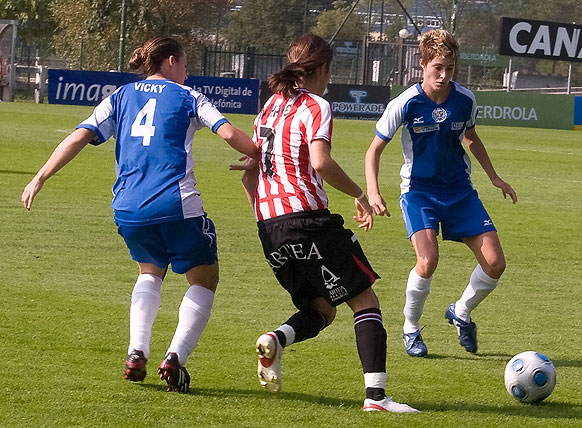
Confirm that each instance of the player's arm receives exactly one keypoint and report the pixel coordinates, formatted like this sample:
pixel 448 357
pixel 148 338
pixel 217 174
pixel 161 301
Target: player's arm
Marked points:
pixel 250 175
pixel 249 180
pixel 238 140
pixel 477 147
pixel 62 155
pixel 372 167
pixel 334 175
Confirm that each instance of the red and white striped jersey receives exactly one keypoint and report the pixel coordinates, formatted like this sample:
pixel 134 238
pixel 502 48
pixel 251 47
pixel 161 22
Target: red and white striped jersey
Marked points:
pixel 283 131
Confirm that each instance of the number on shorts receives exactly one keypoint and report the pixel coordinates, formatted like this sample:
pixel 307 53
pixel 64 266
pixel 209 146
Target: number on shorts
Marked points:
pixel 147 129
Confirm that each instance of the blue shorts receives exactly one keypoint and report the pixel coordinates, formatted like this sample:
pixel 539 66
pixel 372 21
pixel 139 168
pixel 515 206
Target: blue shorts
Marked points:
pixel 460 214
pixel 184 243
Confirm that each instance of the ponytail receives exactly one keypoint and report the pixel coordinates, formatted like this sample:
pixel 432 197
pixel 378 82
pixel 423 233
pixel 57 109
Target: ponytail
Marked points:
pixel 305 55
pixel 286 81
pixel 152 54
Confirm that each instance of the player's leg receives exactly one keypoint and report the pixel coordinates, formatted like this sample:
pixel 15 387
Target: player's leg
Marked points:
pixel 467 220
pixel 193 316
pixel 192 250
pixel 425 246
pixel 145 303
pixel 422 213
pixel 371 343
pixel 145 248
pixel 304 324
pixel 484 279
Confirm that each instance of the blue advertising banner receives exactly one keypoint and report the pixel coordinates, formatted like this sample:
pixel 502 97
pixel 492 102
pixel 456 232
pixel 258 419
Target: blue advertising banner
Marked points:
pixel 578 113
pixel 88 88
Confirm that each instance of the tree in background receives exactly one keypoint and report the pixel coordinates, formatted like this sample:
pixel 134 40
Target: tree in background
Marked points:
pixel 35 24
pixel 88 30
pixel 268 25
pixel 330 20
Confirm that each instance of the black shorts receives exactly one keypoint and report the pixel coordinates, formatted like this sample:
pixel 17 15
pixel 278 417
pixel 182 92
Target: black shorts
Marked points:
pixel 313 255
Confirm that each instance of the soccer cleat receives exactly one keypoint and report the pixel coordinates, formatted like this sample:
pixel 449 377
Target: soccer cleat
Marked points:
pixel 387 405
pixel 467 330
pixel 135 366
pixel 414 344
pixel 174 373
pixel 269 352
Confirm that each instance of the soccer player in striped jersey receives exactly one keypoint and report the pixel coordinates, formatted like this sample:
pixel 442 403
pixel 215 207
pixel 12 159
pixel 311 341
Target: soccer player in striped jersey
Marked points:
pixel 317 260
pixel 157 207
pixel 437 115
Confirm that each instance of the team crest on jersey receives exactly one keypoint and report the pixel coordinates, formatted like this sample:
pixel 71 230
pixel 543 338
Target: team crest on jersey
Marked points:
pixel 439 115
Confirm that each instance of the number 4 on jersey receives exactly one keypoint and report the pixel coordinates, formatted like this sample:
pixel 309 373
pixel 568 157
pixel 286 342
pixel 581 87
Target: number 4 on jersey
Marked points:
pixel 147 129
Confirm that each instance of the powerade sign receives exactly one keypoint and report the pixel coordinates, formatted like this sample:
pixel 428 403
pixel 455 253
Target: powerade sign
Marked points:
pixel 362 102
pixel 88 88
pixel 540 39
pixel 349 101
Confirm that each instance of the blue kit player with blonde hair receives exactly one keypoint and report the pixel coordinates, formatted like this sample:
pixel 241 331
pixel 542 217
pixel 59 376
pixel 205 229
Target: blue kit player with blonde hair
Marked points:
pixel 157 207
pixel 437 115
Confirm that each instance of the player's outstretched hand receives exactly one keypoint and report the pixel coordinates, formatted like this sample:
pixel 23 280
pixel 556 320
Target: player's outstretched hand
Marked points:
pixel 505 188
pixel 364 214
pixel 246 164
pixel 30 192
pixel 378 205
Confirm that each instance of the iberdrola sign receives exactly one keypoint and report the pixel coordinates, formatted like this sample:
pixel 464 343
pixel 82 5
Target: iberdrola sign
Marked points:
pixel 529 110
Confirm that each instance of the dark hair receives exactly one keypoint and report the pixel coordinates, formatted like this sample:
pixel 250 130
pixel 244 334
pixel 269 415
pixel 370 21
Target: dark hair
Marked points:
pixel 153 53
pixel 305 55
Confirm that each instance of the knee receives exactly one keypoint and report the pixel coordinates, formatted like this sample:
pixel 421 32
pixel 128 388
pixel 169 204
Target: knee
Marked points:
pixel 495 268
pixel 425 266
pixel 329 314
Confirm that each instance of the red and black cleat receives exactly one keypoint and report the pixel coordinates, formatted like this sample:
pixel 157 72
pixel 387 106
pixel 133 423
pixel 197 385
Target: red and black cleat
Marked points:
pixel 135 366
pixel 174 374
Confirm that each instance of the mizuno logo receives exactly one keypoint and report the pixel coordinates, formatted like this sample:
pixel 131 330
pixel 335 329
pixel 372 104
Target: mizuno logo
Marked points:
pixel 487 222
pixel 418 120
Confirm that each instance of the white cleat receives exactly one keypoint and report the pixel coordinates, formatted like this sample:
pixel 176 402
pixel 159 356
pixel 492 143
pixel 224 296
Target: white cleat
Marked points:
pixel 387 405
pixel 269 351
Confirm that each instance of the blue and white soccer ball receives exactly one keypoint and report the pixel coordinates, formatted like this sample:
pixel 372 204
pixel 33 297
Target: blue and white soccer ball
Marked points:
pixel 530 377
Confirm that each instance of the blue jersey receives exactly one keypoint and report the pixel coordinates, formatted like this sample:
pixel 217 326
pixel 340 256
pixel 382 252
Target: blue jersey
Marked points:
pixel 432 136
pixel 154 122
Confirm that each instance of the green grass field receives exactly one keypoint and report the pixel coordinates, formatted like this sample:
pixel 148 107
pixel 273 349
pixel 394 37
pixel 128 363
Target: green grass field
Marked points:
pixel 66 280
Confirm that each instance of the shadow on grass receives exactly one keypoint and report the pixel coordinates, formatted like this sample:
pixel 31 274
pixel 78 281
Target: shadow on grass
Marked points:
pixel 286 396
pixel 567 363
pixel 498 356
pixel 477 357
pixel 261 394
pixel 545 409
pixel 7 171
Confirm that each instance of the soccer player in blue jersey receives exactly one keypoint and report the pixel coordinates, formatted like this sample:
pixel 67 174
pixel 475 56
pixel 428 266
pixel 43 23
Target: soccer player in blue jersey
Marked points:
pixel 157 207
pixel 437 115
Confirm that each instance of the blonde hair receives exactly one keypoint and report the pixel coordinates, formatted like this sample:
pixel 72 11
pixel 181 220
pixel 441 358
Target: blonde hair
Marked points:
pixel 438 43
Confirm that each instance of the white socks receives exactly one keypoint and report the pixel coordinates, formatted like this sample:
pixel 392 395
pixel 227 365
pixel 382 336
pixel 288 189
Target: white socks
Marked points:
pixel 289 333
pixel 375 380
pixel 417 289
pixel 145 302
pixel 480 285
pixel 194 314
